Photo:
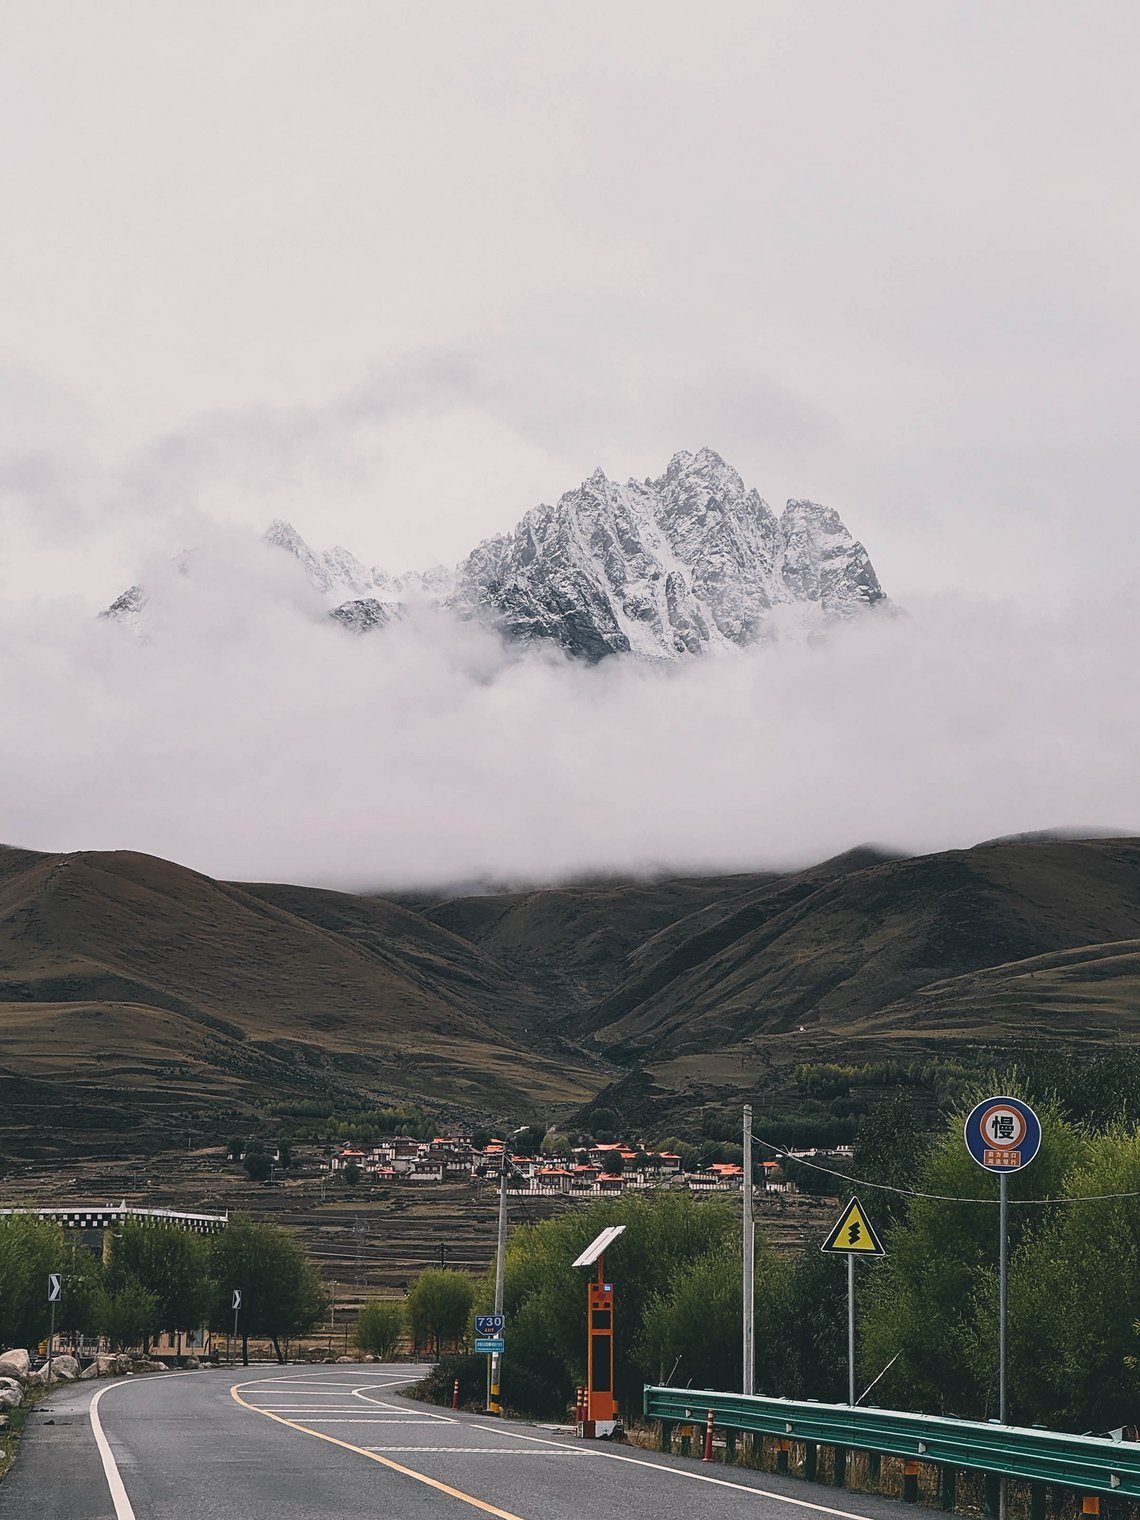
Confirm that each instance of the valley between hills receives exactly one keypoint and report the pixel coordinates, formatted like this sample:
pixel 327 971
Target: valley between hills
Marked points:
pixel 141 1002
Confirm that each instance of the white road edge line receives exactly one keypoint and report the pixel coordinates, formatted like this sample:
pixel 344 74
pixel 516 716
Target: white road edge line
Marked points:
pixel 123 1508
pixel 696 1477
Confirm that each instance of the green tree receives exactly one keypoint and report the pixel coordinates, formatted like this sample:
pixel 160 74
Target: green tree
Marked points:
pixel 545 1296
pixel 1074 1297
pixel 935 1292
pixel 379 1327
pixel 170 1264
pixel 83 1286
pixel 352 1173
pixel 528 1142
pixel 282 1293
pixel 258 1165
pixel 801 1324
pixel 439 1307
pixel 892 1146
pixel 613 1163
pixel 126 1314
pixel 691 1331
pixel 30 1248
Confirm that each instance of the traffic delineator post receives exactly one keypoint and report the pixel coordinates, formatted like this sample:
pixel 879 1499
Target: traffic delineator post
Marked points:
pixel 455 1395
pixel 707 1455
pixel 910 1482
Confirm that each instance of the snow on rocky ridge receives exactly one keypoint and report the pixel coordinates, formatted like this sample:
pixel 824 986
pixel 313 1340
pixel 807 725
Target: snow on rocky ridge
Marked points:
pixel 687 563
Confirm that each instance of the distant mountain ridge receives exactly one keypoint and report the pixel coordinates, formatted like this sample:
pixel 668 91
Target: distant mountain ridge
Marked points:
pixel 136 992
pixel 691 562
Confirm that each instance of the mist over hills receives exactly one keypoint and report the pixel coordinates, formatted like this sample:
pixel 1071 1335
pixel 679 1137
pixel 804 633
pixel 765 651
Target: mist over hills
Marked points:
pixel 137 996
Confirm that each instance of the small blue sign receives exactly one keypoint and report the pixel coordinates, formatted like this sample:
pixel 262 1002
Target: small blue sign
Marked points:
pixel 490 1344
pixel 490 1324
pixel 1003 1134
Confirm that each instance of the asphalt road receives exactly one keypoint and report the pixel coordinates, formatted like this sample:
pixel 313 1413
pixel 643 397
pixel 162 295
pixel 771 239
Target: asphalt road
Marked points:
pixel 313 1443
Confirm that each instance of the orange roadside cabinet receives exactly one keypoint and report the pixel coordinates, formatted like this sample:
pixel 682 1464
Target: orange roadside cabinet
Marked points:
pixel 598 1409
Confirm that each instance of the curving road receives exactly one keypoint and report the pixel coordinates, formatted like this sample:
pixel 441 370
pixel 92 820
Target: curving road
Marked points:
pixel 311 1443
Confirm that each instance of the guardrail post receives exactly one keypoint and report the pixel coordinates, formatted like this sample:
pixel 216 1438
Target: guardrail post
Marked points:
pixel 730 1444
pixel 1090 1504
pixel 1037 1501
pixel 874 1466
pixel 783 1447
pixel 840 1474
pixel 686 1440
pixel 910 1483
pixel 948 1486
pixel 811 1460
pixel 993 1496
pixel 666 1441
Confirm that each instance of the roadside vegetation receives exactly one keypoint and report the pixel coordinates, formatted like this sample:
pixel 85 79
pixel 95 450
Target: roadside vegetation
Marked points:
pixel 927 1312
pixel 157 1279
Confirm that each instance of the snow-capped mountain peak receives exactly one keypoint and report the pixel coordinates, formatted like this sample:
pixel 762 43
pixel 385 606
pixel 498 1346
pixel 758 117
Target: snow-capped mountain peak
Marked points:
pixel 690 562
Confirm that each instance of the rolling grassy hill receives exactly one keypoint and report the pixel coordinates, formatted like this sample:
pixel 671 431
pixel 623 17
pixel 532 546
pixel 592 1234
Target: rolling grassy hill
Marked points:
pixel 137 995
pixel 131 986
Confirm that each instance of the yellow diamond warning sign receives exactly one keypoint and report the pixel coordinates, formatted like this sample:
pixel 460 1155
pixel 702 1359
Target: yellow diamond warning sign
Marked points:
pixel 854 1233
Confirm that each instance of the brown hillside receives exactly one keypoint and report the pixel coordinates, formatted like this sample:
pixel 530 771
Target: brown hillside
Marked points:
pixel 158 984
pixel 832 958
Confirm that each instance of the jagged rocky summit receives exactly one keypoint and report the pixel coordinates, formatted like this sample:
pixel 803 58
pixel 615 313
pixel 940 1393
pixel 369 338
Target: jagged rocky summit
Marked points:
pixel 687 563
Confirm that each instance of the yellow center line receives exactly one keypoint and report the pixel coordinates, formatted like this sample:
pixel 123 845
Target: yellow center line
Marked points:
pixel 375 1456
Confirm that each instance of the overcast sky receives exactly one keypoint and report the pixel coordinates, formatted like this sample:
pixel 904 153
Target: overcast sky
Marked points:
pixel 397 272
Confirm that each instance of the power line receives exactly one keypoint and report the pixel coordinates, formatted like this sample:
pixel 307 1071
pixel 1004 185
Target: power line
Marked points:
pixel 887 1187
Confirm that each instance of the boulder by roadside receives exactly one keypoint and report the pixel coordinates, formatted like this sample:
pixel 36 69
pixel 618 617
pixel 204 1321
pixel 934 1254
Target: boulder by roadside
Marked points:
pixel 17 1364
pixel 64 1369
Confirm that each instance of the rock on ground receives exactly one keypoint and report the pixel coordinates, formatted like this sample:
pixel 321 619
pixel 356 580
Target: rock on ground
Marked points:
pixel 16 1364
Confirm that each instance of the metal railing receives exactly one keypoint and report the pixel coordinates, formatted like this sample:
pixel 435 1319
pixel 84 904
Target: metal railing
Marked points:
pixel 1088 1464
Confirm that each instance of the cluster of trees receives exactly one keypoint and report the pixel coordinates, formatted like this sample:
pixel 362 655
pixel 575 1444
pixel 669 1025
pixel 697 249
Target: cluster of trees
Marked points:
pixel 257 1159
pixel 157 1278
pixel 678 1311
pixel 927 1312
pixel 435 1315
pixel 1074 1294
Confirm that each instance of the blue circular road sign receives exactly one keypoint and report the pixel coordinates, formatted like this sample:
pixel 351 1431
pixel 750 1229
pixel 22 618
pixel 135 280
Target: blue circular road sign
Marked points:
pixel 1003 1134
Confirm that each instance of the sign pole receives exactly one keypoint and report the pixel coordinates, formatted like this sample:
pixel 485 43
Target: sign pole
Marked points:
pixel 1003 1290
pixel 1003 1310
pixel 55 1289
pixel 851 1327
pixel 852 1235
pixel 1003 1135
pixel 748 1380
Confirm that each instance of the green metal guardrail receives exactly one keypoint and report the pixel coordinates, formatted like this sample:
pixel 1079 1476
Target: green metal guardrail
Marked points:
pixel 1088 1464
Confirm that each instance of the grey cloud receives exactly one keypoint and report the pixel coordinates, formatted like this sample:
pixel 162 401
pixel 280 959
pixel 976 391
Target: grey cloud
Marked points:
pixel 248 738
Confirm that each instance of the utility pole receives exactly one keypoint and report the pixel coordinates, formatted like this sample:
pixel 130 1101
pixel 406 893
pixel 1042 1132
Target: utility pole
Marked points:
pixel 748 1381
pixel 500 1257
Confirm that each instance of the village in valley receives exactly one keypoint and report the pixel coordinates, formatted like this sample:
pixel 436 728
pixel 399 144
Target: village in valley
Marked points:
pixel 600 1168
